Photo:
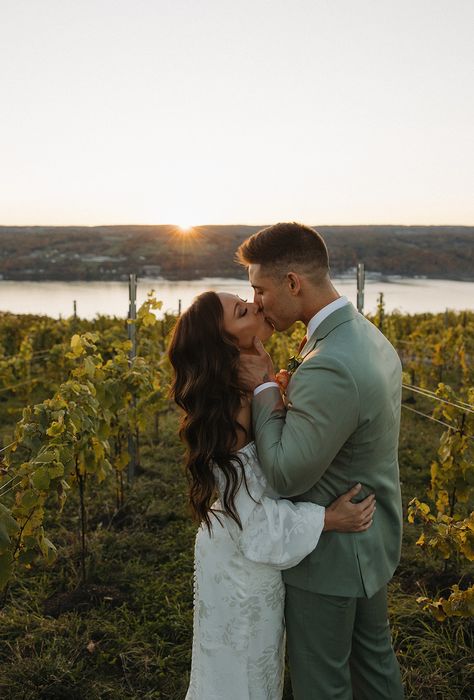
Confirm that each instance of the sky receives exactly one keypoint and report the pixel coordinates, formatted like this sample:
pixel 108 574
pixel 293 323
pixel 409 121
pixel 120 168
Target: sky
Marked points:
pixel 197 112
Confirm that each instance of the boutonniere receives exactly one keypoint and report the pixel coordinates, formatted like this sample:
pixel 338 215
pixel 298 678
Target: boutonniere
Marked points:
pixel 293 363
pixel 284 375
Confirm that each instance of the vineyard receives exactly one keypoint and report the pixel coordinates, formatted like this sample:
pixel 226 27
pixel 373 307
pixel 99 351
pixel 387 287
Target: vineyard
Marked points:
pixel 96 541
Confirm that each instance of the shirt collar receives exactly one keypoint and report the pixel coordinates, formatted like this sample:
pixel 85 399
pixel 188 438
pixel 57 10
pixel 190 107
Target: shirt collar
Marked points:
pixel 324 313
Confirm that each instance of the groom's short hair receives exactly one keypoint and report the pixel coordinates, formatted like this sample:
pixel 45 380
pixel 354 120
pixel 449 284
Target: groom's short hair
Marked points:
pixel 286 245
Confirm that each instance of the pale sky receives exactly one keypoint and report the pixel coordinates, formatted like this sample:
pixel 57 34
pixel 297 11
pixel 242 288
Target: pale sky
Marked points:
pixel 236 111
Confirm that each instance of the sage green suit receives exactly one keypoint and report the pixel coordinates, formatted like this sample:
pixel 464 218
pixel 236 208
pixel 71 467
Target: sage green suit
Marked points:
pixel 341 427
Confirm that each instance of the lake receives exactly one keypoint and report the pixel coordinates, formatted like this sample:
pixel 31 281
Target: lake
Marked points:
pixel 56 298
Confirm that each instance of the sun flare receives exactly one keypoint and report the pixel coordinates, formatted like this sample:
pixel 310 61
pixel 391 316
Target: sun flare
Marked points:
pixel 186 233
pixel 184 228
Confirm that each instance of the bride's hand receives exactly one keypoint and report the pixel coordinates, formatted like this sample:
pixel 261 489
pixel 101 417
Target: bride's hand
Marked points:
pixel 344 516
pixel 255 367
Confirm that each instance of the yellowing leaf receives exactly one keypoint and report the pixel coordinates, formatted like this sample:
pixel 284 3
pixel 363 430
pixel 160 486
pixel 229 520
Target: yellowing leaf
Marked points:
pixel 56 428
pixel 98 449
pixel 89 367
pixel 41 479
pixel 149 319
pixel 467 546
pixel 76 345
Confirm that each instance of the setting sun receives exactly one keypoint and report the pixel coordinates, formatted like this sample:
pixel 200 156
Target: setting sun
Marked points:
pixel 188 235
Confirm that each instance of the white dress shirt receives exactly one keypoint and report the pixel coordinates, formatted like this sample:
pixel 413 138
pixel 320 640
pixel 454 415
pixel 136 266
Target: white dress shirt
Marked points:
pixel 314 322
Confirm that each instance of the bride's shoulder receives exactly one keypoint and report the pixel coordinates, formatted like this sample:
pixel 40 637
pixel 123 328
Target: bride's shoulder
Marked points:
pixel 248 454
pixel 248 449
pixel 246 461
pixel 249 457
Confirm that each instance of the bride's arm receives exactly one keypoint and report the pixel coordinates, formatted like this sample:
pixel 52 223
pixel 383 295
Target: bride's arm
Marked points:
pixel 278 532
pixel 281 533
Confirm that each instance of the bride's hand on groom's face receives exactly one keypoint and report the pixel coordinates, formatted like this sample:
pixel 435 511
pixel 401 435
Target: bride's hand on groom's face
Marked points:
pixel 256 368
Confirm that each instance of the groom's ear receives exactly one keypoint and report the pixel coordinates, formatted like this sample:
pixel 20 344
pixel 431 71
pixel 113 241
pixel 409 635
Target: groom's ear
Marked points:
pixel 294 283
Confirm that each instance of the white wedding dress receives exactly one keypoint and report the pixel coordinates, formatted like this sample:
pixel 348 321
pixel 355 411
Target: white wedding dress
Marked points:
pixel 238 639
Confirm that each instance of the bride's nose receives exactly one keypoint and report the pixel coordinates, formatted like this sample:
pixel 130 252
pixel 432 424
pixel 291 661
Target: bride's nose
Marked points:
pixel 255 307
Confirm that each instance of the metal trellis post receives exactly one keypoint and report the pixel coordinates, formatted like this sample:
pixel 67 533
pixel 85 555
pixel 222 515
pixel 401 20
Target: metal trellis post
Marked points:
pixel 360 287
pixel 132 336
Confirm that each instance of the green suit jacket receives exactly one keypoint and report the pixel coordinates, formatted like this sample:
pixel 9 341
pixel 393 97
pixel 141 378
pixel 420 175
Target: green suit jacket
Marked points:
pixel 341 427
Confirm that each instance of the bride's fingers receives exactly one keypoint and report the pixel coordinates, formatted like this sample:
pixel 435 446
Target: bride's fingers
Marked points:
pixel 370 509
pixel 369 506
pixel 368 500
pixel 364 526
pixel 369 519
pixel 366 519
pixel 259 347
pixel 351 493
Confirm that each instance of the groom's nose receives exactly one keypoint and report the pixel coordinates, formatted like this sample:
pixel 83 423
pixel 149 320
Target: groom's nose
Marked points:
pixel 256 308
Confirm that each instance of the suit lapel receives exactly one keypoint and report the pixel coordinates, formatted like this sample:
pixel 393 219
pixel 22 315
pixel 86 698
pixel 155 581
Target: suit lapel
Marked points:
pixel 346 313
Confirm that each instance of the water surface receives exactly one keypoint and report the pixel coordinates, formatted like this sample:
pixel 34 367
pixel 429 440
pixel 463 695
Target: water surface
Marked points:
pixel 57 298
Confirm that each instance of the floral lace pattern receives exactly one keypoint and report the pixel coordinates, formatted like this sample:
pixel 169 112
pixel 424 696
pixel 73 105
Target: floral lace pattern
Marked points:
pixel 238 635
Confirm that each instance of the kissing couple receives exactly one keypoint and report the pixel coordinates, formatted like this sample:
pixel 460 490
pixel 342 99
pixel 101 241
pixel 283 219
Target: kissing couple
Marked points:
pixel 298 496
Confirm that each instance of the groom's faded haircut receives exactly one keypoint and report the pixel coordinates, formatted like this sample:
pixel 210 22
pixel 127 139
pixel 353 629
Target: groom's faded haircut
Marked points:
pixel 284 246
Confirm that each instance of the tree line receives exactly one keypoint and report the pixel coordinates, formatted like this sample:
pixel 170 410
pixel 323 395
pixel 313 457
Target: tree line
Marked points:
pixel 112 252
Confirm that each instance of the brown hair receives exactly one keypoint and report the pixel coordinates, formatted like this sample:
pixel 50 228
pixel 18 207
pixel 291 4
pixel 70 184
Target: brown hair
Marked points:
pixel 284 245
pixel 205 361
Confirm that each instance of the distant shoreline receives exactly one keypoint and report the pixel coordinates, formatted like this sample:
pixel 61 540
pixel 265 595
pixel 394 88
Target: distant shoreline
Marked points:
pixel 111 253
pixel 370 276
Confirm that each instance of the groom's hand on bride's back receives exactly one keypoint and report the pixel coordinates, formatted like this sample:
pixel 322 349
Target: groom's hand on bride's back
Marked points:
pixel 255 368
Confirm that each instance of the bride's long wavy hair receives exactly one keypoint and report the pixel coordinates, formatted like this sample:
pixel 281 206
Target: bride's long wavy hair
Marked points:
pixel 205 361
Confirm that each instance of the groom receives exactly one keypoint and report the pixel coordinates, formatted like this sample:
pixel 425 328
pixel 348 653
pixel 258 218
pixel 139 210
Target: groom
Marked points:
pixel 341 427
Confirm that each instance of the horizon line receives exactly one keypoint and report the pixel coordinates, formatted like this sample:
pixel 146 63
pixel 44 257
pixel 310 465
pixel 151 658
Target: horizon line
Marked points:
pixel 263 225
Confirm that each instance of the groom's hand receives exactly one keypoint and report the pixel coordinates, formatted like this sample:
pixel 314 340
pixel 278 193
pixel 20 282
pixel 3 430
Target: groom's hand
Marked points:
pixel 256 369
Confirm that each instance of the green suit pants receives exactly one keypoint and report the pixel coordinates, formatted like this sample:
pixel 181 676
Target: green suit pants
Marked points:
pixel 340 648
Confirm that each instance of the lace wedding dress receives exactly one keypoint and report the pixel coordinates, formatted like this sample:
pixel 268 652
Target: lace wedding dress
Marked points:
pixel 238 636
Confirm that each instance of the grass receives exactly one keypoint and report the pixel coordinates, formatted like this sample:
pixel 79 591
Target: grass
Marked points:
pixel 128 634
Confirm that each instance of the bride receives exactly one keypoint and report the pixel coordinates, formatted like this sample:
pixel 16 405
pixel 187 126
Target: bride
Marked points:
pixel 248 534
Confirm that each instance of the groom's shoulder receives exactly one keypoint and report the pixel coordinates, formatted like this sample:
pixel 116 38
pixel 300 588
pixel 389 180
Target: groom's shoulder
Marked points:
pixel 360 328
pixel 351 340
pixel 354 326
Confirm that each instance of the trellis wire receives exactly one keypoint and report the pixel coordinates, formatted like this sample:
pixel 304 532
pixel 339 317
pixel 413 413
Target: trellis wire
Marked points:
pixel 14 386
pixel 461 405
pixel 20 477
pixel 6 448
pixel 17 476
pixel 435 420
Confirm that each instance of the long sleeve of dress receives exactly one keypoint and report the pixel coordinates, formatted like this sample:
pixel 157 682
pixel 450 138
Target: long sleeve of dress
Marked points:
pixel 274 531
